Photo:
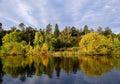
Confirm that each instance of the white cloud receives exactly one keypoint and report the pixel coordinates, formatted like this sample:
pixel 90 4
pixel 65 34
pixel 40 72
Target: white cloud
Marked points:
pixel 44 11
pixel 17 11
pixel 93 13
pixel 24 11
pixel 39 13
pixel 77 9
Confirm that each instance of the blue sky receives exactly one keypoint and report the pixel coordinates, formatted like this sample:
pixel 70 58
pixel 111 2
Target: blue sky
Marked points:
pixel 39 13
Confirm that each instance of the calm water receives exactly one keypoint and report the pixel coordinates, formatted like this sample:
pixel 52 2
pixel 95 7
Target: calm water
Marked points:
pixel 59 70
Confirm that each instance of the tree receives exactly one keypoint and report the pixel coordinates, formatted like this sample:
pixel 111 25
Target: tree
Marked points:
pixel 49 29
pixel 0 26
pixel 22 26
pixel 13 28
pixel 94 43
pixel 65 37
pixel 13 48
pixel 29 35
pixel 116 46
pixel 51 41
pixel 12 43
pixel 118 36
pixel 12 37
pixel 91 30
pixel 85 29
pixel 44 48
pixel 74 31
pixel 56 31
pixel 39 39
pixel 1 34
pixel 99 30
pixel 80 32
pixel 107 31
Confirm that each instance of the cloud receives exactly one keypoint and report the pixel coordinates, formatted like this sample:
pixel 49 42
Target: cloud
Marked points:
pixel 39 13
pixel 24 11
pixel 94 13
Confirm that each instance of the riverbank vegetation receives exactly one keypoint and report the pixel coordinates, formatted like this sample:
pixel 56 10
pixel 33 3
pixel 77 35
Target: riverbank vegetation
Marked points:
pixel 50 40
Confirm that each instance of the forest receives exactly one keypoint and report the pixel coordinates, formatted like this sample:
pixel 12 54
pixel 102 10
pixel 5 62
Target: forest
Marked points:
pixel 27 40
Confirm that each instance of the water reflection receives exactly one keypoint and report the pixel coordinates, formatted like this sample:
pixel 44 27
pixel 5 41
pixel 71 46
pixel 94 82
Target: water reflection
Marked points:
pixel 1 73
pixel 96 66
pixel 27 67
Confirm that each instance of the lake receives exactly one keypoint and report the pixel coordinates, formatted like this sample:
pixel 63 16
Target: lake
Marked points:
pixel 59 70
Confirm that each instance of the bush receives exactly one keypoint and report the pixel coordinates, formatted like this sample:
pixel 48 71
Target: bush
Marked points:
pixel 13 48
pixel 94 43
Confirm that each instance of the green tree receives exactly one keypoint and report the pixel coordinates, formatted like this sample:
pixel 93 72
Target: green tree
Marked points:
pixel 74 31
pixel 1 34
pixel 107 31
pixel 91 30
pixel 13 48
pixel 99 30
pixel 49 29
pixel 94 43
pixel 12 44
pixel 85 29
pixel 116 46
pixel 12 37
pixel 118 36
pixel 51 41
pixel 0 27
pixel 22 26
pixel 56 31
pixel 39 39
pixel 80 32
pixel 29 35
pixel 13 28
pixel 65 37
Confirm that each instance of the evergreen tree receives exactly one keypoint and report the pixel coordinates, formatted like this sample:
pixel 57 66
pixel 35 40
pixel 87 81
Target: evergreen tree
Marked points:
pixel 49 29
pixel 0 27
pixel 56 31
pixel 85 29
pixel 107 31
pixel 74 31
pixel 99 30
pixel 65 37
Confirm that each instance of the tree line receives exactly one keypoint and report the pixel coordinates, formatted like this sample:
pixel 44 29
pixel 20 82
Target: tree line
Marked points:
pixel 26 39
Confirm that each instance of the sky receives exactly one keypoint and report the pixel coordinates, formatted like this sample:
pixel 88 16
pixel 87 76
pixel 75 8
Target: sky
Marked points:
pixel 39 13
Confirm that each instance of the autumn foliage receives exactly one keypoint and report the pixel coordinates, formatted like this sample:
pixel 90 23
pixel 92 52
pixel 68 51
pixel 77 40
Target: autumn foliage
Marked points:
pixel 44 48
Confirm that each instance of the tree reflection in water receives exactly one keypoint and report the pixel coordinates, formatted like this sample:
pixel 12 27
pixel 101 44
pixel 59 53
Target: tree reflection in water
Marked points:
pixel 96 66
pixel 22 67
pixel 117 62
pixel 1 73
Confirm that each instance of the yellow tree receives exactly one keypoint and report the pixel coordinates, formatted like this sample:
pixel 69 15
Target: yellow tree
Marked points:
pixel 94 43
pixel 44 48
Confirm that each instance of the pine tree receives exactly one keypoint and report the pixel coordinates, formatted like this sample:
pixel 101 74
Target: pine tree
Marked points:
pixel 49 29
pixel 0 27
pixel 56 31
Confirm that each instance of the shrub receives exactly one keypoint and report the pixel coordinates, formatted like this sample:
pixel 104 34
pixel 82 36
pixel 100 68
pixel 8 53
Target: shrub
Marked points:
pixel 94 43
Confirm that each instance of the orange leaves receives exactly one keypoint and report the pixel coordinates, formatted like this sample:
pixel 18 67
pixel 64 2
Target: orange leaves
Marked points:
pixel 44 48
